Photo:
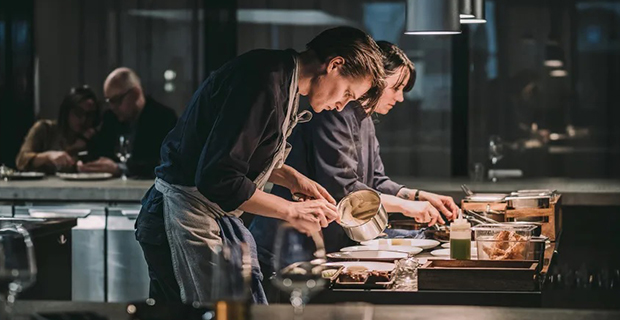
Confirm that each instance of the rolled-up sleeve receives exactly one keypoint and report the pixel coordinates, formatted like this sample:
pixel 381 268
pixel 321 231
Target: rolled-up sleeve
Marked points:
pixel 336 158
pixel 246 114
pixel 380 181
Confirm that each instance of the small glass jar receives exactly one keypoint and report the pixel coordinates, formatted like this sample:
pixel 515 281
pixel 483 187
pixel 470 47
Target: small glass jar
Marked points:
pixel 406 274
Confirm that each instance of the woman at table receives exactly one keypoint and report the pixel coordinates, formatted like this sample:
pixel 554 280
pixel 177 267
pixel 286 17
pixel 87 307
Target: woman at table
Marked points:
pixel 53 145
pixel 229 142
pixel 341 152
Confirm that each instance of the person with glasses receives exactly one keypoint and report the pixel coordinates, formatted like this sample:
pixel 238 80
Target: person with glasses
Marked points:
pixel 53 145
pixel 142 121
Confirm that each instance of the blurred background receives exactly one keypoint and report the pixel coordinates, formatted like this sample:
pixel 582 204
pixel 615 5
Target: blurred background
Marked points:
pixel 542 76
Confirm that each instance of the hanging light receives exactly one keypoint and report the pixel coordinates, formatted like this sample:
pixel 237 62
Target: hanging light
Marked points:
pixel 465 9
pixel 476 12
pixel 432 17
pixel 558 73
pixel 554 57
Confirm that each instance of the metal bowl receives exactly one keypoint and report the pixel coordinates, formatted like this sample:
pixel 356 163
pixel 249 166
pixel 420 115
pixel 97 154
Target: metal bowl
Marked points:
pixel 362 216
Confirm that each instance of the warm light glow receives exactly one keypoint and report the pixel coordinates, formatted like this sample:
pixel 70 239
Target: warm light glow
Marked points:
pixel 432 32
pixel 170 75
pixel 470 21
pixel 553 63
pixel 558 73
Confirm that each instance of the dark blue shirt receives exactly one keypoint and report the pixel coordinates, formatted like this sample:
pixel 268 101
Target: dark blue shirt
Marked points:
pixel 340 151
pixel 230 129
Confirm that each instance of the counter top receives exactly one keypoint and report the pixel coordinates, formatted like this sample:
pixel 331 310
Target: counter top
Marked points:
pixel 342 312
pixel 55 189
pixel 574 191
pixel 593 192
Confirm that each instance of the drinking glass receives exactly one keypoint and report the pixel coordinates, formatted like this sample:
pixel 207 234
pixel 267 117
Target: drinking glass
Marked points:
pixel 18 268
pixel 496 153
pixel 299 263
pixel 124 153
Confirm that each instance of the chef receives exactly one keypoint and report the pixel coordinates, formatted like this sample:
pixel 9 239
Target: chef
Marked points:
pixel 230 141
pixel 341 152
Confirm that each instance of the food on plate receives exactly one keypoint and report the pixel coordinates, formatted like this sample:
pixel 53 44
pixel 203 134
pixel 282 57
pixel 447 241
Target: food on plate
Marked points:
pixel 357 269
pixel 379 276
pixel 349 276
pixel 327 274
pixel 506 245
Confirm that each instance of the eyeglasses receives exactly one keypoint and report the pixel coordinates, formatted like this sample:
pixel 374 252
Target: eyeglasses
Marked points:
pixel 118 99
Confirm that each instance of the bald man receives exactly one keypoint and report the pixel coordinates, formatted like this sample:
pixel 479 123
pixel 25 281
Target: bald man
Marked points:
pixel 142 120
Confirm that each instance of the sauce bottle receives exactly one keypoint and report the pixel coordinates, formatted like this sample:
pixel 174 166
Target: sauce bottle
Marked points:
pixel 460 238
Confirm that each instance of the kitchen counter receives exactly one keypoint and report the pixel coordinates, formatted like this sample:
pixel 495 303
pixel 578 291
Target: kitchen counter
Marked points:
pixel 55 189
pixel 341 312
pixel 582 192
pixel 574 191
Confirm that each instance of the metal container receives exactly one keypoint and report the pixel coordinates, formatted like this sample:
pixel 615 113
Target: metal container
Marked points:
pixel 522 202
pixel 362 216
pixel 486 197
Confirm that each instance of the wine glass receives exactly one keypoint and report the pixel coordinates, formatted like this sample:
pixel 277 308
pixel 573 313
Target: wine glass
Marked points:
pixel 124 153
pixel 496 153
pixel 18 268
pixel 298 262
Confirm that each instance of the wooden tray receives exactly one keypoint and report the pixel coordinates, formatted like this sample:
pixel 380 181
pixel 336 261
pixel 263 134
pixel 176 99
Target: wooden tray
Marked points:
pixel 478 275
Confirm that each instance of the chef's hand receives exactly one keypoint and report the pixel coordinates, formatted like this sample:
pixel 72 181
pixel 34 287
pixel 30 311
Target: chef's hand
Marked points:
pixel 100 165
pixel 444 204
pixel 311 215
pixel 422 212
pixel 58 159
pixel 302 184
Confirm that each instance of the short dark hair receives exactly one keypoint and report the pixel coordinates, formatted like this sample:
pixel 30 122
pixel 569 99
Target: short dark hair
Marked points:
pixel 72 100
pixel 395 58
pixel 361 54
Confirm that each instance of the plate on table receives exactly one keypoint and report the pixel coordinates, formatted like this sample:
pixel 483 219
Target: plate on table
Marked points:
pixel 387 247
pixel 84 176
pixel 363 265
pixel 374 255
pixel 26 175
pixel 420 243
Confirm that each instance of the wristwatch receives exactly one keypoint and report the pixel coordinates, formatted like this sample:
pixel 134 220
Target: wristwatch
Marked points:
pixel 417 195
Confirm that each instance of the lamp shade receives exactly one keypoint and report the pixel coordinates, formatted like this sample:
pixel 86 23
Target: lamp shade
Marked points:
pixel 477 12
pixel 432 17
pixel 465 9
pixel 554 57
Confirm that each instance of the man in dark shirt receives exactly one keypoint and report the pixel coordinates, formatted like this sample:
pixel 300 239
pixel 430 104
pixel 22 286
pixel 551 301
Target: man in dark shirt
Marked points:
pixel 140 120
pixel 231 140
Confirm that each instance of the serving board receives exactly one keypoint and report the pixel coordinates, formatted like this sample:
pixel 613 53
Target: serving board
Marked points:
pixel 478 275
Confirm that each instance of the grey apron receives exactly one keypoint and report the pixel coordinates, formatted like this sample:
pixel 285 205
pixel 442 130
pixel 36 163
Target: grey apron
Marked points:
pixel 193 223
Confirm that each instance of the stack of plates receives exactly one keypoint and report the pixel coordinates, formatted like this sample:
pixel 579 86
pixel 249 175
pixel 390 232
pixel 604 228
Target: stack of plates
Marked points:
pixel 370 255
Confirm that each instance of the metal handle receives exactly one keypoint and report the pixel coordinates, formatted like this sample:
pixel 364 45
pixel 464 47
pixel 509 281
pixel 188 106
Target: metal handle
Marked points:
pixel 466 189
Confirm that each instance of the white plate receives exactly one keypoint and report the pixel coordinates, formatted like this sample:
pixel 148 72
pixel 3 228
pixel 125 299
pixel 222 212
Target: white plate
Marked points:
pixel 420 243
pixel 387 247
pixel 446 252
pixel 84 176
pixel 370 265
pixel 447 245
pixel 368 255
